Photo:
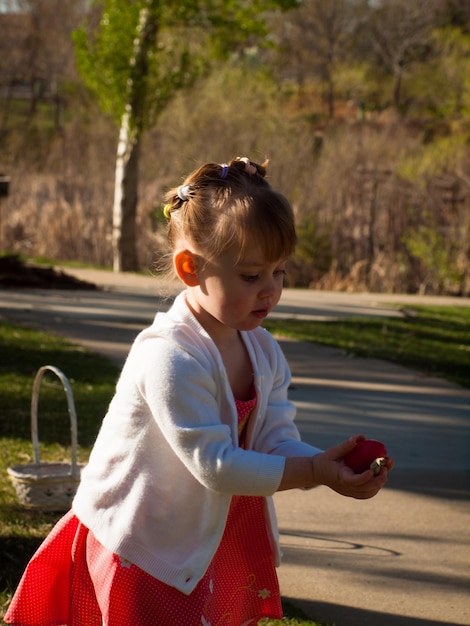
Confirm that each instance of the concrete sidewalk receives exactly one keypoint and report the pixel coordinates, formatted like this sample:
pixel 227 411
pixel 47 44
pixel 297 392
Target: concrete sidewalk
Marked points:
pixel 402 558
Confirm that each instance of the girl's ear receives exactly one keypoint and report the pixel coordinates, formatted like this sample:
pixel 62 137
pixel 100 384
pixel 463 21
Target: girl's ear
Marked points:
pixel 185 266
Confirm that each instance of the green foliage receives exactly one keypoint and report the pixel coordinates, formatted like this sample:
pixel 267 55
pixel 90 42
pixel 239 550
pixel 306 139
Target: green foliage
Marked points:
pixel 352 82
pixel 432 159
pixel 440 86
pixel 178 42
pixel 453 54
pixel 107 56
pixel 432 249
pixel 103 55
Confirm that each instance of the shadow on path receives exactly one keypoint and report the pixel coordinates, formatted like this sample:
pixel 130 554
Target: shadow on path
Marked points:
pixel 338 614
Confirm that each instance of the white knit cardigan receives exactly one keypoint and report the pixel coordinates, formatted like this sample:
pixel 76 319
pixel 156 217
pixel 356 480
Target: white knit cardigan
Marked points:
pixel 166 462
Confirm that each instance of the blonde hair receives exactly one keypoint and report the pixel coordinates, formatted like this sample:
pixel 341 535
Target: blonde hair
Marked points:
pixel 223 206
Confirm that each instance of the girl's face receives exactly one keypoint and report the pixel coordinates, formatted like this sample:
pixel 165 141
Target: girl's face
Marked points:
pixel 236 295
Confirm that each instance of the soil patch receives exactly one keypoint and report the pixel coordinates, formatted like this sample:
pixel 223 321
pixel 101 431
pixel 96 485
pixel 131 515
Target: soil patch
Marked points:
pixel 14 273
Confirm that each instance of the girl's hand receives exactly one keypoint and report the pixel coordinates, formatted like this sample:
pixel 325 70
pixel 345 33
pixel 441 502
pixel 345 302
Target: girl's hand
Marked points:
pixel 330 469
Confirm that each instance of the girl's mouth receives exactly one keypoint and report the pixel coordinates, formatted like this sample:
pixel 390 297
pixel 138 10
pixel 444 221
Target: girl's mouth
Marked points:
pixel 261 313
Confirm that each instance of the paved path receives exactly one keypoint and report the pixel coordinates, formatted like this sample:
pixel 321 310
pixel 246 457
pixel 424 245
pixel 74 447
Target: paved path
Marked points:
pixel 402 558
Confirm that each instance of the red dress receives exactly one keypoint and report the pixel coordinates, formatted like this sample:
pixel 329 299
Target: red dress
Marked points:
pixel 73 580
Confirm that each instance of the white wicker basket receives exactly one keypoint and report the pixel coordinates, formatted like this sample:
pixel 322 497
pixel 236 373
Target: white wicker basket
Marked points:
pixel 48 486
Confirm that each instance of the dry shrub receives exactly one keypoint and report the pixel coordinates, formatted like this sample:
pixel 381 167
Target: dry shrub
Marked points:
pixel 373 214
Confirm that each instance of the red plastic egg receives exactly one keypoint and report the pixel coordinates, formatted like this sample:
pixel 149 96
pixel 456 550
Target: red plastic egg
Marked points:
pixel 364 454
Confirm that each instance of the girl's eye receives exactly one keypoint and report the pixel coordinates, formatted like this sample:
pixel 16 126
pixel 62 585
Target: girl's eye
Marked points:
pixel 252 278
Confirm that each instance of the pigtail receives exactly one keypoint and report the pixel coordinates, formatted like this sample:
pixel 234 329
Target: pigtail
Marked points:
pixel 176 197
pixel 243 164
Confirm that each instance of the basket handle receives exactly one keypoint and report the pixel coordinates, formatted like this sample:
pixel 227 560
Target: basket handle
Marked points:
pixel 72 413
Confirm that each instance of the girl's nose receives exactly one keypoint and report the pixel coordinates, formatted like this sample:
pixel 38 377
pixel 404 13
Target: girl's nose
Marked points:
pixel 269 287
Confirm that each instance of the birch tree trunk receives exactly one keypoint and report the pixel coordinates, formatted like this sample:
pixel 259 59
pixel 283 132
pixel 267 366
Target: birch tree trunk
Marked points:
pixel 125 258
pixel 125 199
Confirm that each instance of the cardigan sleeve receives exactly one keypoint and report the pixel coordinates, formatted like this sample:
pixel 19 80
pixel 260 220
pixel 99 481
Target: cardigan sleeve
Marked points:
pixel 277 432
pixel 186 395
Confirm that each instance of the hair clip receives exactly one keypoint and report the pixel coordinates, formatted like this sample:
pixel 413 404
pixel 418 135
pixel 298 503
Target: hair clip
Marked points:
pixel 249 167
pixel 183 192
pixel 224 173
pixel 167 211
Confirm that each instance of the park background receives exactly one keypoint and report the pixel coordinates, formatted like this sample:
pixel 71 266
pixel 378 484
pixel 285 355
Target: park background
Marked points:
pixel 363 109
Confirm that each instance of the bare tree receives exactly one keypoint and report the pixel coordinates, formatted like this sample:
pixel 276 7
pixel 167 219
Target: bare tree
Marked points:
pixel 400 32
pixel 36 50
pixel 315 38
pixel 51 54
pixel 13 35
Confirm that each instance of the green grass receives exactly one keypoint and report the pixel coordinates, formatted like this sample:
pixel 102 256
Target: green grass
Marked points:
pixel 293 617
pixel 434 340
pixel 92 378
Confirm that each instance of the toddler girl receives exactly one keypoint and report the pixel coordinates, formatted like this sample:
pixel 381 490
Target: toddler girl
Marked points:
pixel 173 523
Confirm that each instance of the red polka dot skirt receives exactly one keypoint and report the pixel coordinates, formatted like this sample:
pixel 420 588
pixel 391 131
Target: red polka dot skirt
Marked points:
pixel 73 580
